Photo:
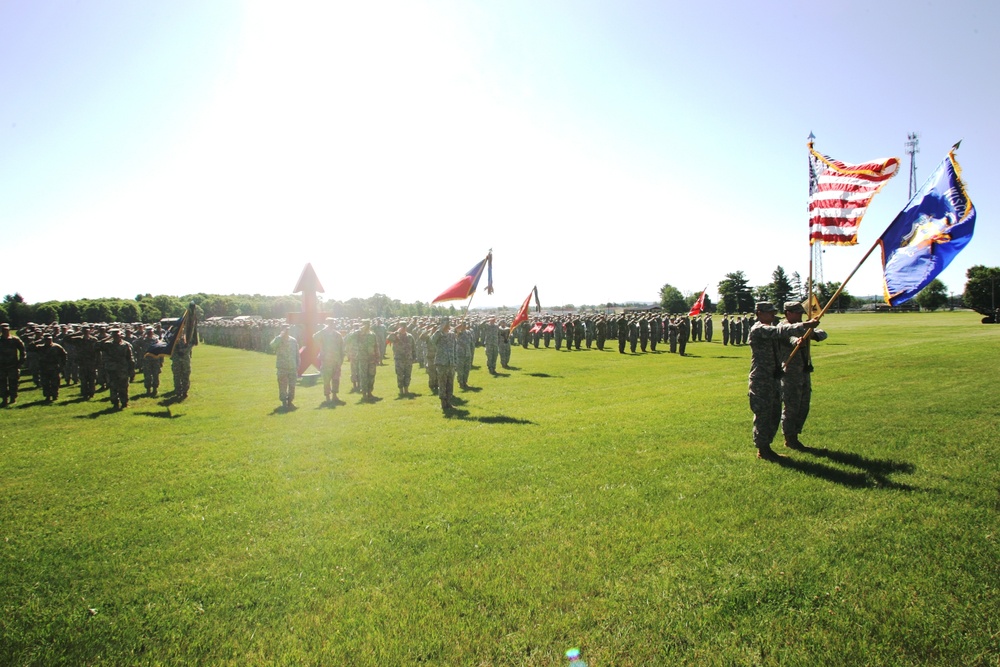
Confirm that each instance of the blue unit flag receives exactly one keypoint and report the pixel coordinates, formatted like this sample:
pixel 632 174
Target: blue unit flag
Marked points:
pixel 927 234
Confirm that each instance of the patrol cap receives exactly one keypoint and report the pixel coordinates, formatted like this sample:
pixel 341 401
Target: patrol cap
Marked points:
pixel 794 307
pixel 765 307
pixel 4 325
pixel 47 337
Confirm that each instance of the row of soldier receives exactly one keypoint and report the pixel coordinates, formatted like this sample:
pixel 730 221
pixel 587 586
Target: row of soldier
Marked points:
pixel 97 357
pixel 447 355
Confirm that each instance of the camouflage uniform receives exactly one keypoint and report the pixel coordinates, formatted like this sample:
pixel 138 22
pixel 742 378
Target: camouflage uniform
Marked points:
pixel 683 334
pixel 492 339
pixel 180 366
pixel 12 355
pixel 151 365
pixel 51 361
pixel 445 358
pixel 404 348
pixel 764 381
pixel 465 346
pixel 286 350
pixel 87 357
pixel 432 375
pixel 331 355
pixel 503 346
pixel 366 352
pixel 796 383
pixel 117 357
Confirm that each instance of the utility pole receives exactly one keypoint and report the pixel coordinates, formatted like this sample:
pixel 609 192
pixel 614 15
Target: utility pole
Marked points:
pixel 912 141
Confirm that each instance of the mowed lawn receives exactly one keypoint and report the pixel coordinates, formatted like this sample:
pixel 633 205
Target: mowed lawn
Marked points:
pixel 585 499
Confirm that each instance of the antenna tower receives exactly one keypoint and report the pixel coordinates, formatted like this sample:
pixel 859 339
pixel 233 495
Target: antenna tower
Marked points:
pixel 912 141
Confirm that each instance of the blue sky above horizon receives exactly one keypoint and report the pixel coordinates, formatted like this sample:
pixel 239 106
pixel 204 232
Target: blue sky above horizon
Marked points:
pixel 600 149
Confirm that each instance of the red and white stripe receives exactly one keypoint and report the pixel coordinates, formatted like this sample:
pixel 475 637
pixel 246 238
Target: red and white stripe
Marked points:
pixel 839 195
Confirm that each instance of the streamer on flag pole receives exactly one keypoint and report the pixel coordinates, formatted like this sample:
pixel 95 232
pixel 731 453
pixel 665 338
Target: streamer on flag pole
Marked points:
pixel 699 305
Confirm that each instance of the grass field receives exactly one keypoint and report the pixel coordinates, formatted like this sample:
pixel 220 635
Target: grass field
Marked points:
pixel 587 499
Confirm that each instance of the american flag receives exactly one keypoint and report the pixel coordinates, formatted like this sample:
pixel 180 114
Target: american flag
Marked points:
pixel 839 195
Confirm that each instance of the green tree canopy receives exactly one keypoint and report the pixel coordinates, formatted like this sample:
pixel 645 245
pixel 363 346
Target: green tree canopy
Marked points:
pixel 934 296
pixel 671 300
pixel 735 293
pixel 982 289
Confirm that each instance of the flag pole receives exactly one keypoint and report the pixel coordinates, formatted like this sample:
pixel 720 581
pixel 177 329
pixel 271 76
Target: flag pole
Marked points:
pixel 809 282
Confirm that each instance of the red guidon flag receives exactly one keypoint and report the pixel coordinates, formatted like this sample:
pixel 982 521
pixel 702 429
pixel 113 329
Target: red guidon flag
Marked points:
pixel 839 195
pixel 466 287
pixel 522 314
pixel 699 305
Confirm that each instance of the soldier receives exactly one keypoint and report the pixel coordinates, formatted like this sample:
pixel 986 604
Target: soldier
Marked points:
pixel 331 354
pixel 180 366
pixel 51 361
pixel 117 357
pixel 622 331
pixel 655 331
pixel 765 373
pixel 643 333
pixel 286 363
pixel 796 384
pixel 491 336
pixel 87 357
pixel 12 355
pixel 601 332
pixel 404 347
pixel 672 332
pixel 725 329
pixel 151 364
pixel 683 334
pixel 708 328
pixel 445 357
pixel 503 345
pixel 633 334
pixel 465 346
pixel 368 358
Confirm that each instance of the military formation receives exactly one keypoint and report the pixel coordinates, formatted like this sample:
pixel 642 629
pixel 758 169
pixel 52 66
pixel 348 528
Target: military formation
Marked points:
pixel 93 357
pixel 104 357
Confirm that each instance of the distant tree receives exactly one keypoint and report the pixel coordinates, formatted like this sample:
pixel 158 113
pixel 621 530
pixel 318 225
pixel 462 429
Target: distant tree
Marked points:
pixel 128 311
pixel 149 313
pixel 169 306
pixel 18 310
pixel 798 289
pixel 934 296
pixel 47 313
pixel 735 293
pixel 780 288
pixel 4 317
pixel 671 300
pixel 97 311
pixel 982 289
pixel 826 290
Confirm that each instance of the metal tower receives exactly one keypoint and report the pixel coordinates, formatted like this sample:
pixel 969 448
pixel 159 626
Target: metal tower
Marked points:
pixel 912 141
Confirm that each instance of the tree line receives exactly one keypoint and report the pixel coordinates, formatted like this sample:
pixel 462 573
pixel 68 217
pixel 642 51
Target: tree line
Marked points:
pixel 736 295
pixel 148 308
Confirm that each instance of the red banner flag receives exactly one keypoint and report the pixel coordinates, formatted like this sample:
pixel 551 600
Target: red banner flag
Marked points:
pixel 699 305
pixel 522 314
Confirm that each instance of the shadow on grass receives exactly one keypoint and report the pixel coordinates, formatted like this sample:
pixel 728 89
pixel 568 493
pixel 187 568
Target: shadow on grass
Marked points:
pixel 540 375
pixel 872 473
pixel 512 368
pixel 723 356
pixel 110 410
pixel 330 404
pixel 471 388
pixel 165 414
pixel 284 409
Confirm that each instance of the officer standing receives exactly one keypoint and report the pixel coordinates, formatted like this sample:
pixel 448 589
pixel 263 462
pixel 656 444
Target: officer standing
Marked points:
pixel 765 375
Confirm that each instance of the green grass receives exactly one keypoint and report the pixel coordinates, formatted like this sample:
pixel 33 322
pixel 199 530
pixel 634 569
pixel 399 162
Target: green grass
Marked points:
pixel 585 499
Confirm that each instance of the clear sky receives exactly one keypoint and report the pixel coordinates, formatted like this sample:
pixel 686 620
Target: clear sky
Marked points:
pixel 601 149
